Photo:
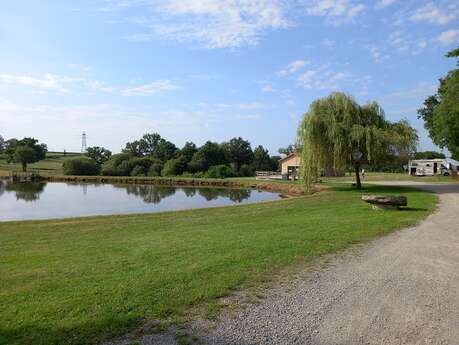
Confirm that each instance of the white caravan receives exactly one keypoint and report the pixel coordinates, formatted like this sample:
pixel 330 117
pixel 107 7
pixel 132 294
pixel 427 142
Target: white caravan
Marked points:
pixel 431 167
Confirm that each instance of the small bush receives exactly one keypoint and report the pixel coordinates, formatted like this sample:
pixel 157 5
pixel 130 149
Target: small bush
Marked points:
pixel 80 166
pixel 139 170
pixel 174 167
pixel 220 171
pixel 246 170
pixel 124 164
pixel 155 169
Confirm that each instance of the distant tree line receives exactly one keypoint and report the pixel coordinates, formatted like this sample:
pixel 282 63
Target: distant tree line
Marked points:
pixel 153 155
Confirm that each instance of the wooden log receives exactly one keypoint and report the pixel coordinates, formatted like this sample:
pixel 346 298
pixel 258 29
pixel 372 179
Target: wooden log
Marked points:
pixel 385 201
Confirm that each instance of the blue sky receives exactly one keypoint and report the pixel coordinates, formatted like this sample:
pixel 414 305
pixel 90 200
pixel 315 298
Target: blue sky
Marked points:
pixel 211 69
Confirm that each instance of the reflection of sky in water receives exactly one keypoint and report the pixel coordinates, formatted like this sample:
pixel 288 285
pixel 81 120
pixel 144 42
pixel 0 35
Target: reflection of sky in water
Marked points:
pixel 60 200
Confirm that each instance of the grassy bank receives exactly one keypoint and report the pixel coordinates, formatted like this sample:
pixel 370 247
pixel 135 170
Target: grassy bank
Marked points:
pixel 78 281
pixel 52 165
pixel 378 176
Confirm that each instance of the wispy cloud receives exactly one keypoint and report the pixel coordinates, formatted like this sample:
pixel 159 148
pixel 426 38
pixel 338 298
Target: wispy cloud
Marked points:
pixel 47 82
pixel 211 23
pixel 434 14
pixel 321 79
pixel 293 67
pixel 82 68
pixel 403 42
pixel 420 90
pixel 338 11
pixel 384 3
pixel 448 37
pixel 241 106
pixel 66 85
pixel 150 88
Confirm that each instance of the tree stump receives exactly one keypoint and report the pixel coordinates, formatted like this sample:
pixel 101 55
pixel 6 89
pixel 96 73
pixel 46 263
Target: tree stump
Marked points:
pixel 385 201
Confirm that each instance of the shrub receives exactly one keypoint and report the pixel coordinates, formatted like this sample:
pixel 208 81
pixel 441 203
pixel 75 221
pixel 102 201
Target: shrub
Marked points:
pixel 110 167
pixel 174 167
pixel 124 164
pixel 80 166
pixel 220 171
pixel 155 169
pixel 138 170
pixel 246 170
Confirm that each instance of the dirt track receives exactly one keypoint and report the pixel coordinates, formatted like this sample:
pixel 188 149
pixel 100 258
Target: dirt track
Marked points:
pixel 400 289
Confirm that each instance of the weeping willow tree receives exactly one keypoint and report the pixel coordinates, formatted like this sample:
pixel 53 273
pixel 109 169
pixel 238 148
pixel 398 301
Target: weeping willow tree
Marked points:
pixel 338 133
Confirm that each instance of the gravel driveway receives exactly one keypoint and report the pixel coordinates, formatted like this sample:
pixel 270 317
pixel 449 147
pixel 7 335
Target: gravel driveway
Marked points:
pixel 399 289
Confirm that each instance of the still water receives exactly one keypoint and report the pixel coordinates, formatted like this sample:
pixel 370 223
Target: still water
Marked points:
pixel 41 200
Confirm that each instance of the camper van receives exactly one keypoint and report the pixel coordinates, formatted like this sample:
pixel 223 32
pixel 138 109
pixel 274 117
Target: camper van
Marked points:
pixel 432 167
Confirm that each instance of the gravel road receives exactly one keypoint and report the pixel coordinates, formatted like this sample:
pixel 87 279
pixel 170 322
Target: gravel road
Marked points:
pixel 399 289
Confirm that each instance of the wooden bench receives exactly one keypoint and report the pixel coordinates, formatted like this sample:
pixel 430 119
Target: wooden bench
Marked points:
pixel 385 201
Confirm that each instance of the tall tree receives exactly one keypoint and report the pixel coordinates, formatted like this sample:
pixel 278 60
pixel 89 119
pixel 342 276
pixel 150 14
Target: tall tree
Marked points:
pixel 208 155
pixel 441 111
pixel 28 150
pixel 238 152
pixel 10 147
pixel 429 155
pixel 153 145
pixel 2 144
pixel 188 150
pixel 99 154
pixel 261 159
pixel 337 132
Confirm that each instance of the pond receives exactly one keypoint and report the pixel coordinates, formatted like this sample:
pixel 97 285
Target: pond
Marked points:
pixel 41 200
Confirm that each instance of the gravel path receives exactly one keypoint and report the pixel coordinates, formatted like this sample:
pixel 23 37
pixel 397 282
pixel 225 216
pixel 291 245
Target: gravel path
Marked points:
pixel 400 289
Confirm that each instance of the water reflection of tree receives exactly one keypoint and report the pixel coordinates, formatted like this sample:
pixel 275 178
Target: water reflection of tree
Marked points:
pixel 28 191
pixel 235 195
pixel 2 187
pixel 189 192
pixel 149 194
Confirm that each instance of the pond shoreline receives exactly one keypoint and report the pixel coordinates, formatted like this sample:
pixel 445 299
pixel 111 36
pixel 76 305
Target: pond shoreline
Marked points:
pixel 269 186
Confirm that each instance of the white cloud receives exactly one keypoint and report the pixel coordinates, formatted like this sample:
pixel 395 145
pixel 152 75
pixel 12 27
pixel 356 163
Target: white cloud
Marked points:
pixel 334 9
pixel 293 67
pixel 150 88
pixel 48 82
pixel 242 106
pixel 321 79
pixel 65 84
pixel 420 90
pixel 377 53
pixel 432 13
pixel 111 125
pixel 79 67
pixel 267 88
pixel 404 43
pixel 384 3
pixel 328 43
pixel 448 37
pixel 212 23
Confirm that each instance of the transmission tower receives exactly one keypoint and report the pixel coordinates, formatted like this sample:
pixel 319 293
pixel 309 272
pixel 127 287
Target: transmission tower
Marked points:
pixel 84 147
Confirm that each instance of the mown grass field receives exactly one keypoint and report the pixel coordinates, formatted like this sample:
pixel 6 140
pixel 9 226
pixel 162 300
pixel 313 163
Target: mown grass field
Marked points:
pixel 378 176
pixel 82 280
pixel 52 165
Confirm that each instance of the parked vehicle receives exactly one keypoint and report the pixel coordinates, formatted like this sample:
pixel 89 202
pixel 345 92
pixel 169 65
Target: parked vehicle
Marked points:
pixel 432 167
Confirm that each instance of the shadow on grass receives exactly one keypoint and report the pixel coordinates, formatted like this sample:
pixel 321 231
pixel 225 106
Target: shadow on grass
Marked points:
pixel 82 334
pixel 373 189
pixel 412 209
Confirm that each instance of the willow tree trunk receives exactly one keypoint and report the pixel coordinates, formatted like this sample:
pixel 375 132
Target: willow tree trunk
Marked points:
pixel 24 166
pixel 358 184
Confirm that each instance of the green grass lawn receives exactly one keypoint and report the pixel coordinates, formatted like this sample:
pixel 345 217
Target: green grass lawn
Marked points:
pixel 78 281
pixel 378 176
pixel 52 165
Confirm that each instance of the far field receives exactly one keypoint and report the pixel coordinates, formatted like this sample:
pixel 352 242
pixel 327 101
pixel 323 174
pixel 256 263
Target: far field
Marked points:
pixel 52 165
pixel 82 280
